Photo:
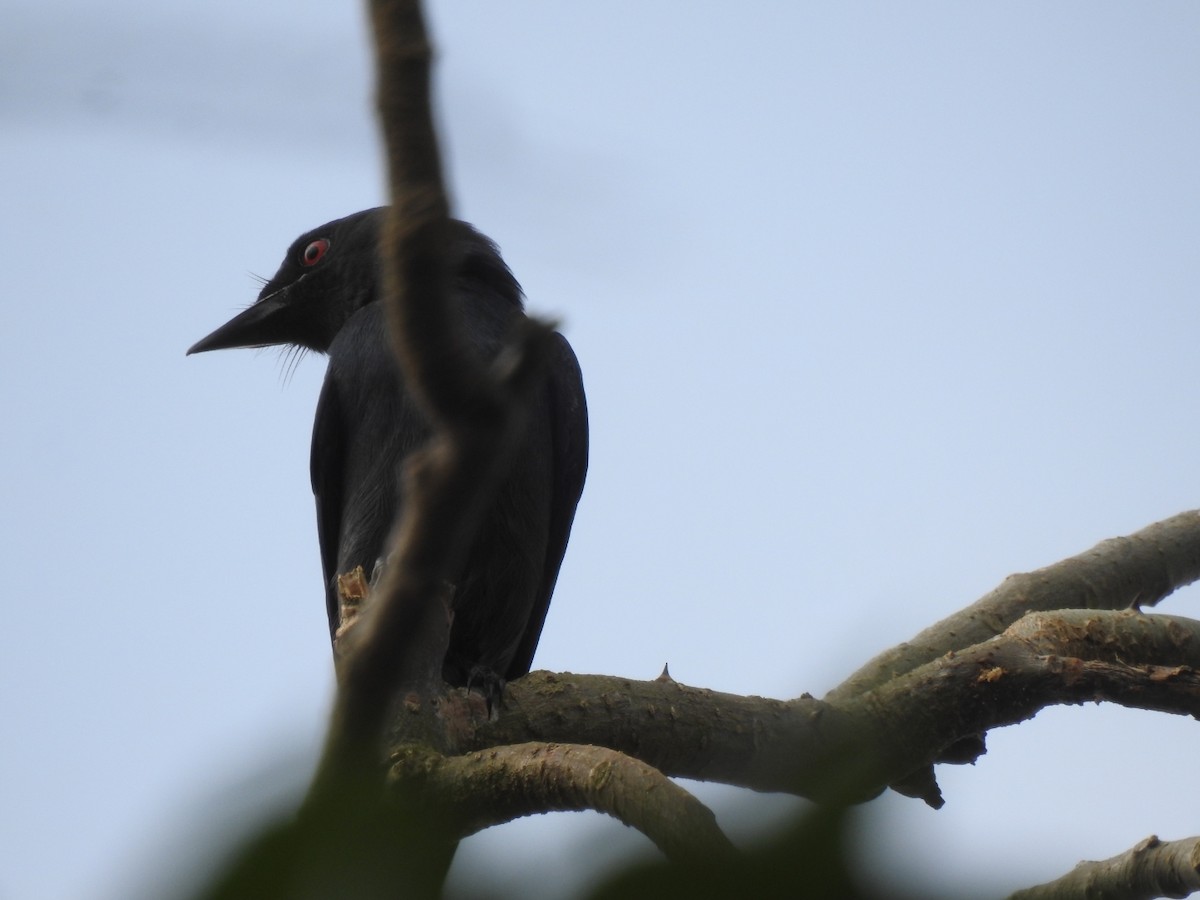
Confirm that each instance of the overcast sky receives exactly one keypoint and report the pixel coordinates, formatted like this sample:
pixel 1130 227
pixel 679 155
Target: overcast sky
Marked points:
pixel 875 304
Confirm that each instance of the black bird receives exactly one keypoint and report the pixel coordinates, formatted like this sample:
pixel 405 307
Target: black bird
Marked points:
pixel 324 298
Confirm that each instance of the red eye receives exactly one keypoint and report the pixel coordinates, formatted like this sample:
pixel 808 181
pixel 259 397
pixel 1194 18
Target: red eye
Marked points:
pixel 314 252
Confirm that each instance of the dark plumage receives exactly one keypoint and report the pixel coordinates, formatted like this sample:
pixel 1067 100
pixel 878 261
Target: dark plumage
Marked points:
pixel 323 298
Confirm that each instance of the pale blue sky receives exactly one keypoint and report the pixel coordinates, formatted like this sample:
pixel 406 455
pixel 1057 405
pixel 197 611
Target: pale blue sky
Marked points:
pixel 875 303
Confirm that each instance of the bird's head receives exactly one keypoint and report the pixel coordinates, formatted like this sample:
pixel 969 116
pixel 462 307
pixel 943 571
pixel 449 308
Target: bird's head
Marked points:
pixel 328 274
pixel 331 272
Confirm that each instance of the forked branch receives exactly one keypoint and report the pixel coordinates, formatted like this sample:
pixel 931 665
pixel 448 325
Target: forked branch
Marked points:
pixel 1119 573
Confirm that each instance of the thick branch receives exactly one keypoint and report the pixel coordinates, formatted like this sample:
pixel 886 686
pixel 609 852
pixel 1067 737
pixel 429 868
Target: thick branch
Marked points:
pixel 1138 570
pixel 769 745
pixel 1151 869
pixel 494 786
pixel 854 748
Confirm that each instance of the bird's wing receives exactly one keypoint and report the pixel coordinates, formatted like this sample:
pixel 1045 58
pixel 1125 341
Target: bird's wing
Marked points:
pixel 326 469
pixel 569 434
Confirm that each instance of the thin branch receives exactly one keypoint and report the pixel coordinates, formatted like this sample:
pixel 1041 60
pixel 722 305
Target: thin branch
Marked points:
pixel 400 636
pixel 1138 570
pixel 504 783
pixel 1152 869
pixel 413 248
pixel 445 377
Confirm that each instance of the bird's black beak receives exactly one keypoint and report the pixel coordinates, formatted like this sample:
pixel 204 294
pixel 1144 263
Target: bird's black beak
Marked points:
pixel 265 323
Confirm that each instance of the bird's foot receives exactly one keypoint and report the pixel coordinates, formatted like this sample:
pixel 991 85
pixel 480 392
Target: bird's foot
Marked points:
pixel 490 685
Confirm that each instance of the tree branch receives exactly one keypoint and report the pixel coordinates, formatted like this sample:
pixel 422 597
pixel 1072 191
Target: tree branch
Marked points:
pixel 852 749
pixel 1068 657
pixel 1151 869
pixel 398 642
pixel 769 745
pixel 398 620
pixel 1138 570
pixel 493 786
